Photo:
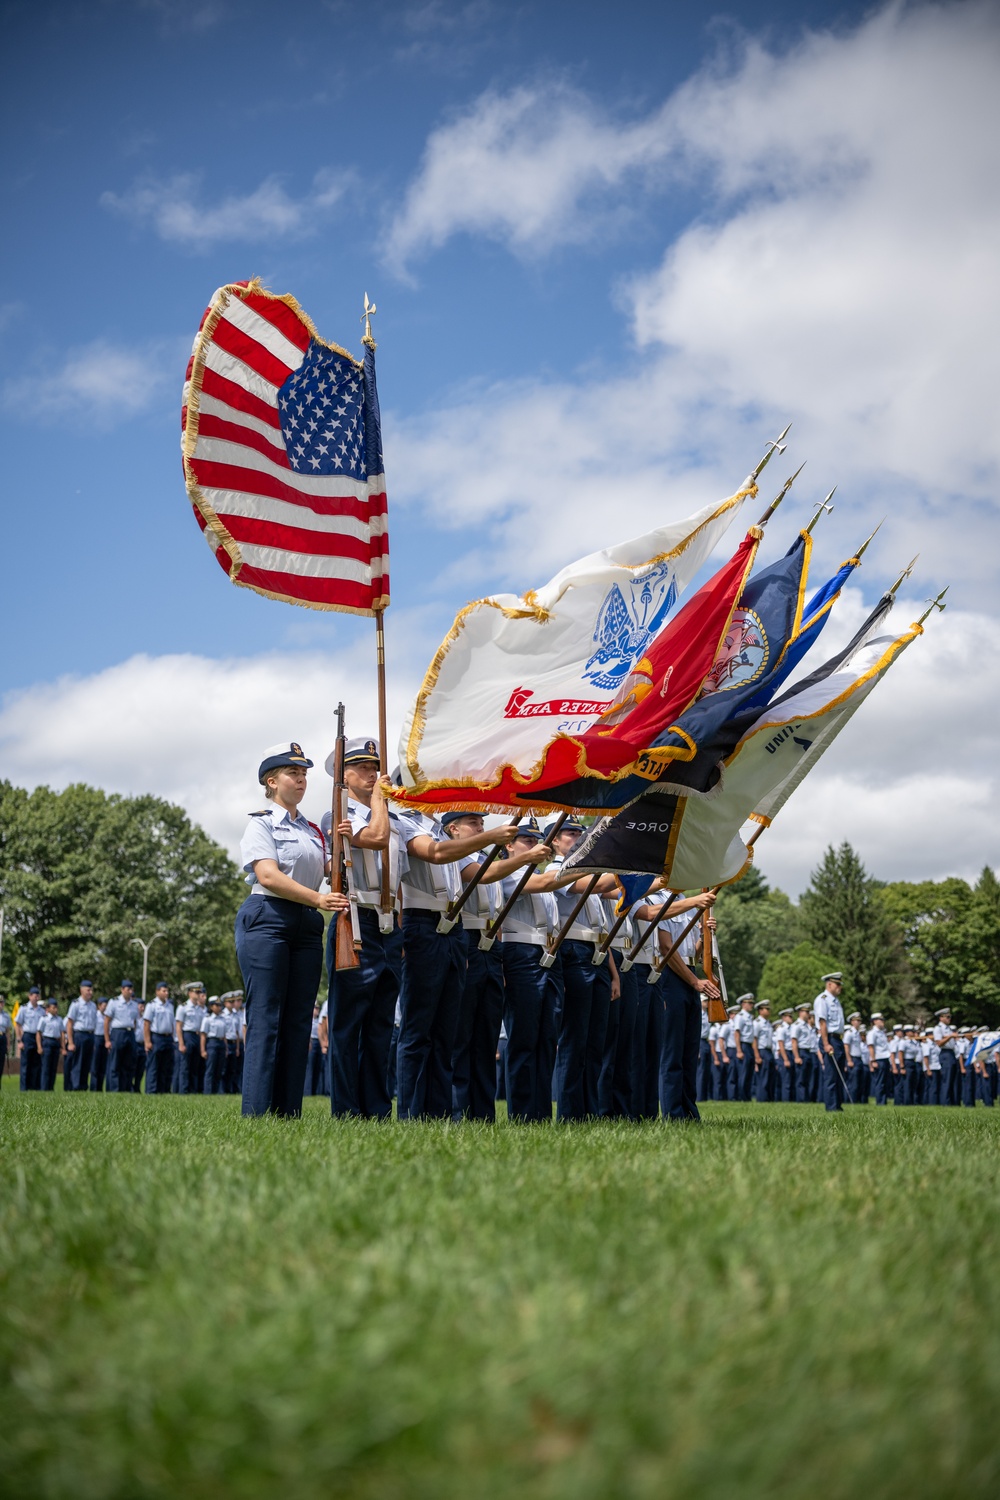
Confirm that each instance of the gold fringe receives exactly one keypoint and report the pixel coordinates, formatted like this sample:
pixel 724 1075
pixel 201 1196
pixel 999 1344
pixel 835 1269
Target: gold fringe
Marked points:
pixel 534 610
pixel 189 441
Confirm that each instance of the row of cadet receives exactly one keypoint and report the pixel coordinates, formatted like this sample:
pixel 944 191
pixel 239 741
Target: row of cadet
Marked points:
pixel 750 1057
pixel 195 1048
pixel 604 1028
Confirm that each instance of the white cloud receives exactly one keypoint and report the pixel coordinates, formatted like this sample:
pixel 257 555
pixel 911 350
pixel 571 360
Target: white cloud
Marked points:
pixel 100 382
pixel 187 728
pixel 844 279
pixel 523 168
pixel 173 208
pixel 911 783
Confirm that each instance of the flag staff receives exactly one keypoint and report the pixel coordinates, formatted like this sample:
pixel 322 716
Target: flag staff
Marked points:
pixel 379 615
pixel 824 505
pixel 780 495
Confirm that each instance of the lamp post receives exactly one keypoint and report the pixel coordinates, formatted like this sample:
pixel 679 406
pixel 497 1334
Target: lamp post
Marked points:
pixel 145 958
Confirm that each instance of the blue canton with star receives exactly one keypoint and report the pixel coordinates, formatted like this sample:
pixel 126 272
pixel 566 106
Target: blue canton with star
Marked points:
pixel 321 407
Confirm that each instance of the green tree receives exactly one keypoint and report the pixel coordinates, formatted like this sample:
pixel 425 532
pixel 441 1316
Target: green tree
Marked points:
pixel 844 914
pixel 754 922
pixel 951 934
pixel 82 874
pixel 794 977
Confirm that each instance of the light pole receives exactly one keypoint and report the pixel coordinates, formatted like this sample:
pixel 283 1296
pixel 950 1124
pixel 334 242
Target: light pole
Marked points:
pixel 145 958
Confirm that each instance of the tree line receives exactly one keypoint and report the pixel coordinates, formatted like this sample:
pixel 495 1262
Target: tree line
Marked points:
pixel 83 873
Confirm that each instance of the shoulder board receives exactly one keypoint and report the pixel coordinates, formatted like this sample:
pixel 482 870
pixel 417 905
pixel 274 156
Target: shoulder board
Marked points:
pixel 265 812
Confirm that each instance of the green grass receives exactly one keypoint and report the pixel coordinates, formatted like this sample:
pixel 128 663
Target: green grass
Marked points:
pixel 775 1304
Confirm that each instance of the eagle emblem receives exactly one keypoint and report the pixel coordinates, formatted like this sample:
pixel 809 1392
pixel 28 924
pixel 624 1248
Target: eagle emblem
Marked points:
pixel 742 656
pixel 627 621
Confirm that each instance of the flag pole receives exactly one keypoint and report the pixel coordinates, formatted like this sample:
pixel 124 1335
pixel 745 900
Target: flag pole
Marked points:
pixel 379 616
pixel 556 942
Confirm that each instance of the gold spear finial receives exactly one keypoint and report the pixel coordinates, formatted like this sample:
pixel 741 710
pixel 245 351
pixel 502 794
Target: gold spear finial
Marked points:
pixel 905 574
pixel 820 507
pixel 933 604
pixel 865 545
pixel 781 495
pixel 366 319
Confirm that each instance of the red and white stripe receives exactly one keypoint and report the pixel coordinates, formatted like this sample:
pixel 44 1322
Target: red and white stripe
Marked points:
pixel 318 540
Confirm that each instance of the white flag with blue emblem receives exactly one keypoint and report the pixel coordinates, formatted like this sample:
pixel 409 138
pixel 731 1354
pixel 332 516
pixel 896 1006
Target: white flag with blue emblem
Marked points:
pixel 518 679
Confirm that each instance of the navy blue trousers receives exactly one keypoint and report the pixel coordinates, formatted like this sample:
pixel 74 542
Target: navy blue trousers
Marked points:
pixel 31 1064
pixel 744 1085
pixel 192 1064
pixel 833 1088
pixel 160 1065
pixel 121 1061
pixel 881 1080
pixel 785 1080
pixel 315 1068
pixel 215 1065
pixel 434 966
pixel 99 1070
pixel 361 1012
pixel 804 1078
pixel 765 1076
pixel 80 1060
pixel 279 945
pixel 50 1064
pixel 679 1046
pixel 474 1059
pixel 648 1045
pixel 531 997
pixel 615 1084
pixel 573 1037
pixel 949 1078
pixel 705 1071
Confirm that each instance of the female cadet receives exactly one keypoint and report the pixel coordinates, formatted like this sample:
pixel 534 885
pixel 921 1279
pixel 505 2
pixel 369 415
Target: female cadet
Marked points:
pixel 279 935
pixel 680 993
pixel 531 992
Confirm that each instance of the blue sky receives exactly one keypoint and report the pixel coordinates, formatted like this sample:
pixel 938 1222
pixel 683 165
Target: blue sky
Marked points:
pixel 613 250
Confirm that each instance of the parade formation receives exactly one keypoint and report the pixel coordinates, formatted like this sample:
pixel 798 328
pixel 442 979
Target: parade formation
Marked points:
pixel 626 733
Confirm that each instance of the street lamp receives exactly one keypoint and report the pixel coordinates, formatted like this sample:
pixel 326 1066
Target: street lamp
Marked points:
pixel 145 957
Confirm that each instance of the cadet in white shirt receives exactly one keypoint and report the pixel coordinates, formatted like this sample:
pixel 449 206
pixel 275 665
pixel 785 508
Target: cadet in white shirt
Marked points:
pixel 878 1057
pixel 50 1033
pixel 279 935
pixel 897 1065
pixel 932 1069
pixel 188 1021
pixel 434 962
pixel 81 1029
pixel 743 1037
pixel 213 1048
pixel 804 1047
pixel 480 1012
pixel 120 1018
pixel 784 1061
pixel 681 992
pixel 829 1015
pixel 854 1046
pixel 946 1038
pixel 29 1019
pixel 158 1023
pixel 762 1042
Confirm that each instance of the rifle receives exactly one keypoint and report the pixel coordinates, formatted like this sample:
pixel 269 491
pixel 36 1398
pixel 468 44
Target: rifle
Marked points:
pixel 347 944
pixel 488 936
pixel 661 913
pixel 555 943
pixel 717 1009
pixel 450 915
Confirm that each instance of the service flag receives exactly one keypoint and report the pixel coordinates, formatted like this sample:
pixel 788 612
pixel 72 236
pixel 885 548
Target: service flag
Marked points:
pixel 518 681
pixel 686 754
pixel 985 1041
pixel 695 841
pixel 283 454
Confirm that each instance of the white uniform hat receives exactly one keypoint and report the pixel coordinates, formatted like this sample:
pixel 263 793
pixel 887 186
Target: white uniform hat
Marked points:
pixel 838 977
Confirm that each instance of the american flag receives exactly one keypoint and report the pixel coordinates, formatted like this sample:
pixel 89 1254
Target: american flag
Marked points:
pixel 283 455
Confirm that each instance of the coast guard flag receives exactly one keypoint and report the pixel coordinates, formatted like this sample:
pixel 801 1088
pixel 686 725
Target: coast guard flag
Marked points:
pixel 282 455
pixel 518 681
pixel 695 841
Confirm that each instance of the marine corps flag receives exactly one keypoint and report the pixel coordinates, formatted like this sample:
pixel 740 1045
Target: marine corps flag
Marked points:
pixel 695 841
pixel 282 454
pixel 507 702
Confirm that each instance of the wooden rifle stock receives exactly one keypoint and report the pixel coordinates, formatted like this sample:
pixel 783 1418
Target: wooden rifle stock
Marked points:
pixel 345 947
